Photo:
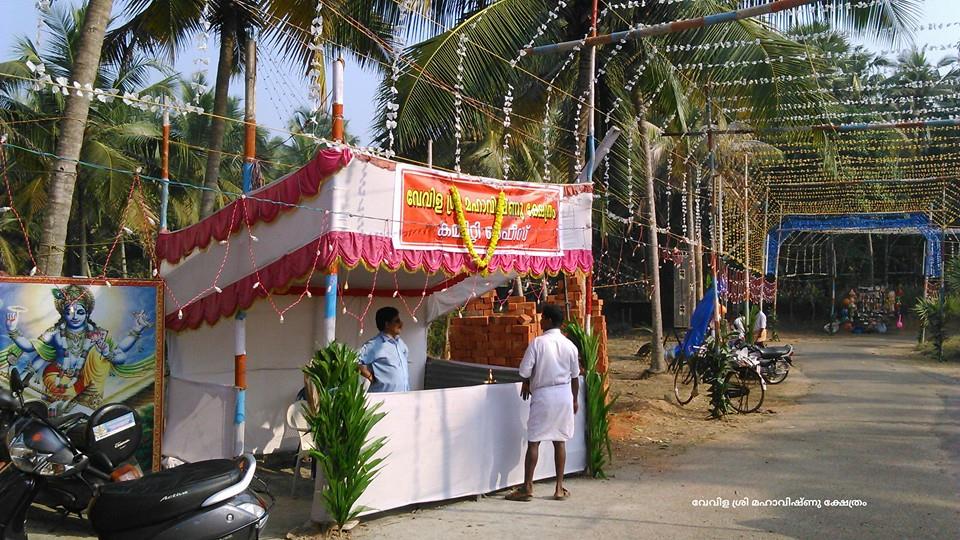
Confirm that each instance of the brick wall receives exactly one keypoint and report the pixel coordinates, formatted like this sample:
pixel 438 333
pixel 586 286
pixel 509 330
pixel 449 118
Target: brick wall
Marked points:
pixel 484 336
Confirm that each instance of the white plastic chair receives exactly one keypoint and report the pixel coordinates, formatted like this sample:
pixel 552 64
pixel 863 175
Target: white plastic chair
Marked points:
pixel 296 420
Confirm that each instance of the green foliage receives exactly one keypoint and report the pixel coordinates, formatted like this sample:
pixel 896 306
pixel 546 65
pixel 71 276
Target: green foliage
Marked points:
pixel 715 367
pixel 341 425
pixel 144 453
pixel 598 401
pixel 437 336
pixel 938 315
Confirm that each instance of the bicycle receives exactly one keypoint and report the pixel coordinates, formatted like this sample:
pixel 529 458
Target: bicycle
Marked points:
pixel 743 386
pixel 687 376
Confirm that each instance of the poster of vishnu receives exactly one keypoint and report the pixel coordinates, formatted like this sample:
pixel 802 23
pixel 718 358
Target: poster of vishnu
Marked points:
pixel 84 346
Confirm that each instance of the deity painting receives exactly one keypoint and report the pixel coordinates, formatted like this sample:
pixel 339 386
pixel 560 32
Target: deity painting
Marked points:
pixel 83 345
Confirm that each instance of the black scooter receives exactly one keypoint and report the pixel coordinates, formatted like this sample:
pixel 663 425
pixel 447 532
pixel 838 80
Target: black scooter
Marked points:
pixel 207 500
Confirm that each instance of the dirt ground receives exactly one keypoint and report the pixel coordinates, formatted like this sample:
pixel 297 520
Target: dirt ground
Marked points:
pixel 649 425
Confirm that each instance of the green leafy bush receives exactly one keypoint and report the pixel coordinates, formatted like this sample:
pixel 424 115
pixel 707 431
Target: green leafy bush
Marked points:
pixel 341 426
pixel 598 404
pixel 716 366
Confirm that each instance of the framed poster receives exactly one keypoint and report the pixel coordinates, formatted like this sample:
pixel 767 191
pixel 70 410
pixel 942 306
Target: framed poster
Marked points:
pixel 86 344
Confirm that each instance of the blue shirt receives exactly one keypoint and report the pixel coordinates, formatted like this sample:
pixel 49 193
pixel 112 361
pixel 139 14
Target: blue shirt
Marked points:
pixel 388 359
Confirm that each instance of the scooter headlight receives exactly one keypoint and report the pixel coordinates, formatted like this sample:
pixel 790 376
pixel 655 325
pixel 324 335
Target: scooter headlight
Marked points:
pixel 31 461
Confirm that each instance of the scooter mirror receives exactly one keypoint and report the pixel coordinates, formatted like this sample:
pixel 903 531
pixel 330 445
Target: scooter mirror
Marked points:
pixel 16 385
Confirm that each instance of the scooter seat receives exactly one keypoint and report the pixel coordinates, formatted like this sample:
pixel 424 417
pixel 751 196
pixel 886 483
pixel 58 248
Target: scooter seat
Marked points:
pixel 769 353
pixel 156 498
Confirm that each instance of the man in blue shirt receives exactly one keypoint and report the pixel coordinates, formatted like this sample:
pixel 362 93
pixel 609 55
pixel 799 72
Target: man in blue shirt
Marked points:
pixel 384 359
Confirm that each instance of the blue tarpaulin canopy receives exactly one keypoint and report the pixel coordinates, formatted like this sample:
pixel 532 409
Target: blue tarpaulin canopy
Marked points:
pixel 699 323
pixel 860 223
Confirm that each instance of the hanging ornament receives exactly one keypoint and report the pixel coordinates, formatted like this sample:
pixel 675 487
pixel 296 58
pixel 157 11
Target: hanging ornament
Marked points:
pixel 393 106
pixel 458 98
pixel 202 61
pixel 507 109
pixel 316 73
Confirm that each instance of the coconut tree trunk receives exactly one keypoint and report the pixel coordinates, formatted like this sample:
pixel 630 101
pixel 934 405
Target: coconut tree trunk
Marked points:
pixel 63 181
pixel 211 178
pixel 84 250
pixel 657 364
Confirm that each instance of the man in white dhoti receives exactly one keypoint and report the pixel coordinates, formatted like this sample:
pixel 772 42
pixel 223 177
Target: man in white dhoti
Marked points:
pixel 551 376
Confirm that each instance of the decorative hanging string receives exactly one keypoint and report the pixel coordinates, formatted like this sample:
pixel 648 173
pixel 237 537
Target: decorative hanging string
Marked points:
pixel 507 109
pixel 315 75
pixel 393 106
pixel 202 61
pixel 458 88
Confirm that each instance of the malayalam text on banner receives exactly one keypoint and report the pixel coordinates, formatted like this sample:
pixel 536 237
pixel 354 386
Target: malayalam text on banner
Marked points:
pixel 428 216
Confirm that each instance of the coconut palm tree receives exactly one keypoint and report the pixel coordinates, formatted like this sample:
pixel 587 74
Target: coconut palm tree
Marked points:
pixel 116 136
pixel 53 231
pixel 167 25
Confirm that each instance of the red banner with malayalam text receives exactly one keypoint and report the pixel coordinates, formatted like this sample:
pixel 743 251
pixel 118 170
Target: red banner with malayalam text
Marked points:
pixel 428 217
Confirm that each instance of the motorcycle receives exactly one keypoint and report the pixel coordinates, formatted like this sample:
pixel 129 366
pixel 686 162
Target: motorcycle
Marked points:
pixel 207 500
pixel 773 363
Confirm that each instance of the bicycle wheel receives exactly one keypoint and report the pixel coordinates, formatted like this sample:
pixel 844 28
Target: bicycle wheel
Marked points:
pixel 744 390
pixel 778 372
pixel 685 383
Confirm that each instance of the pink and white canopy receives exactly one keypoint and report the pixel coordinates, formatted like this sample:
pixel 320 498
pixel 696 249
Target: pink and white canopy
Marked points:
pixel 346 210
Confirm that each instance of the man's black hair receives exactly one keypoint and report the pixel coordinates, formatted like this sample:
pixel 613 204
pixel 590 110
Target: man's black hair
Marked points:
pixel 385 315
pixel 554 314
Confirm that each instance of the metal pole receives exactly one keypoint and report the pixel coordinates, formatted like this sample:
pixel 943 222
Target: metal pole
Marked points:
pixel 943 293
pixel 746 226
pixel 844 128
pixel 165 167
pixel 668 28
pixel 712 161
pixel 926 284
pixel 766 246
pixel 591 153
pixel 833 285
pixel 330 293
pixel 776 268
pixel 338 100
pixel 240 320
pixel 430 153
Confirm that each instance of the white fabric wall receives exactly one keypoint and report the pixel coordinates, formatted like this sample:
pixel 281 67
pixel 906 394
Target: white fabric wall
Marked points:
pixel 199 420
pixel 454 442
pixel 275 353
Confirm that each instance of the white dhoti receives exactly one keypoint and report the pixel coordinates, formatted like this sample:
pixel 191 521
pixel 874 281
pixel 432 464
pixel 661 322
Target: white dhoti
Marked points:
pixel 551 414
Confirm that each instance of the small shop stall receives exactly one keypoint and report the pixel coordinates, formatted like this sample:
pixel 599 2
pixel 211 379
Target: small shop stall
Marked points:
pixel 253 290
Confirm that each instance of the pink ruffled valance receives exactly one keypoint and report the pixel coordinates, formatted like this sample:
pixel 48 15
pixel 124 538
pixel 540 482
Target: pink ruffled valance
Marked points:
pixel 262 206
pixel 352 249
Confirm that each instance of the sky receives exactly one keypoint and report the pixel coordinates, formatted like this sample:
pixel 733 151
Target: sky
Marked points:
pixel 282 87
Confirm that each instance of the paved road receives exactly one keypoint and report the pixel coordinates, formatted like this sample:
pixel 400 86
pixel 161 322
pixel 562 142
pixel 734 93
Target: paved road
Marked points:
pixel 872 429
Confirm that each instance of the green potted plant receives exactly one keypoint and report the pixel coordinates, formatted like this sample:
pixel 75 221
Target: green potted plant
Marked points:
pixel 341 425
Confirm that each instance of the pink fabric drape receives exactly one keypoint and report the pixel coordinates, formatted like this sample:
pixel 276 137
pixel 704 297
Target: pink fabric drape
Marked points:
pixel 351 249
pixel 262 206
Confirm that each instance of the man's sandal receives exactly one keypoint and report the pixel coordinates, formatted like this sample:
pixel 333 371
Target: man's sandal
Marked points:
pixel 518 495
pixel 566 493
